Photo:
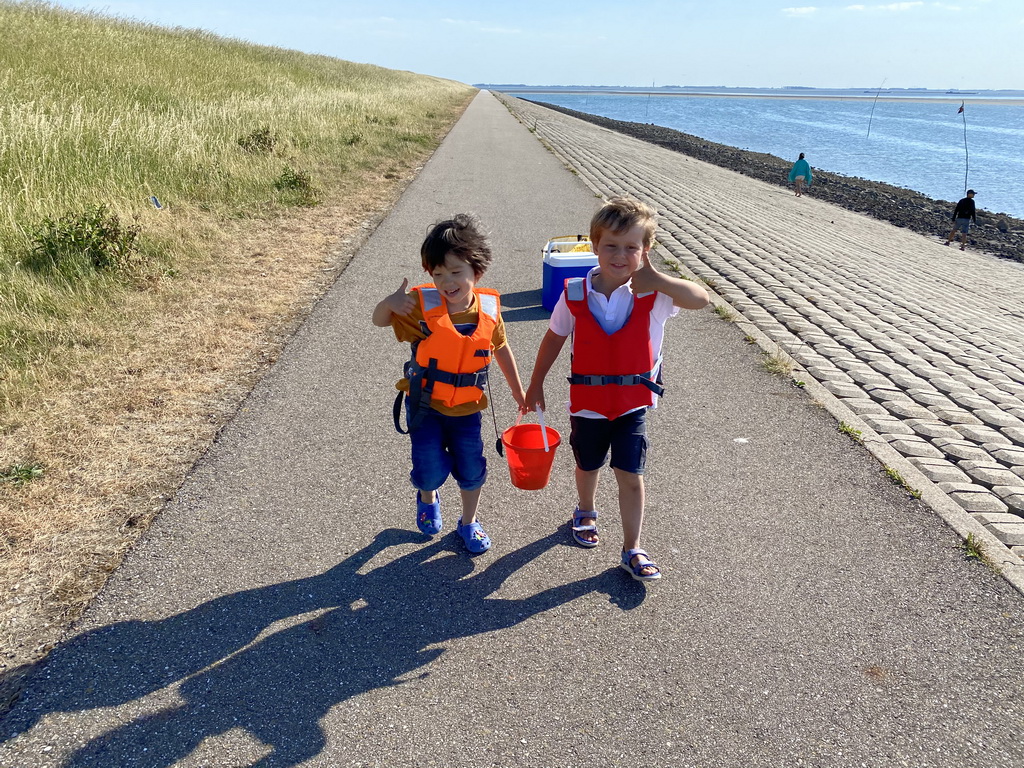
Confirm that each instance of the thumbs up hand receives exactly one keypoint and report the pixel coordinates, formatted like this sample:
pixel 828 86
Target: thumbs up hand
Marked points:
pixel 398 303
pixel 646 278
pixel 401 302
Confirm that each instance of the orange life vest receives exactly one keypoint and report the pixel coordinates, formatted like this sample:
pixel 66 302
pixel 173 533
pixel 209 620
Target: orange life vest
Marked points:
pixel 611 373
pixel 448 366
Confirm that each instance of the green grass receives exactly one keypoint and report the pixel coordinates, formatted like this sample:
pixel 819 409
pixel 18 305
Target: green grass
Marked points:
pixel 18 474
pixel 99 114
pixel 974 549
pixel 777 364
pixel 897 478
pixel 851 432
pixel 726 313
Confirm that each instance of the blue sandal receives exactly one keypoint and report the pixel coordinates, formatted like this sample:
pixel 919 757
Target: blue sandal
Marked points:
pixel 428 516
pixel 578 528
pixel 473 537
pixel 634 570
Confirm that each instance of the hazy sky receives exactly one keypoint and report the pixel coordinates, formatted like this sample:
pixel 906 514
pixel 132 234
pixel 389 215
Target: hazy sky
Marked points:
pixel 965 44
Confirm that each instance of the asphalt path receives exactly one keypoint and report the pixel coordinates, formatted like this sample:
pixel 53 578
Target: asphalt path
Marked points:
pixel 284 610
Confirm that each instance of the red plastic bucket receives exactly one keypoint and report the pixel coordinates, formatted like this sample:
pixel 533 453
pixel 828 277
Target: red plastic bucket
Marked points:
pixel 528 462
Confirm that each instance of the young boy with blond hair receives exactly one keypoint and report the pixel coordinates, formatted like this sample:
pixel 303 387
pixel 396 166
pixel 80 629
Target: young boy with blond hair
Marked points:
pixel 616 316
pixel 455 329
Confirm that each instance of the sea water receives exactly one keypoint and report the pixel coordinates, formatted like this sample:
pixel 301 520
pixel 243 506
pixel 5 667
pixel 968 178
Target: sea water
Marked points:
pixel 916 144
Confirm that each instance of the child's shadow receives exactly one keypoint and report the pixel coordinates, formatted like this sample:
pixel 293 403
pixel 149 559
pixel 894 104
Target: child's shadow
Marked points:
pixel 370 629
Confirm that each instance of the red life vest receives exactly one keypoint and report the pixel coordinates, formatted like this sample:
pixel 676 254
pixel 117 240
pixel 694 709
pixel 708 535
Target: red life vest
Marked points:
pixel 452 367
pixel 611 373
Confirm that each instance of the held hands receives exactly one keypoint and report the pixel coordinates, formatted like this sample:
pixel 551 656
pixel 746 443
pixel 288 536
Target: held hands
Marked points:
pixel 520 398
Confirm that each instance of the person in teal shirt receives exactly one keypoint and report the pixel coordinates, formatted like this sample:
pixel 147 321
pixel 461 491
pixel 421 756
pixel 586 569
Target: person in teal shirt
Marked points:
pixel 800 174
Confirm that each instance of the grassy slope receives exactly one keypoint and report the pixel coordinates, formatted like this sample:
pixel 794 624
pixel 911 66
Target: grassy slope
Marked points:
pixel 94 111
pixel 111 383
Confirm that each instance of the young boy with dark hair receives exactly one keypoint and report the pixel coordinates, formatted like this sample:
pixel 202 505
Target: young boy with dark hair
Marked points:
pixel 455 329
pixel 616 316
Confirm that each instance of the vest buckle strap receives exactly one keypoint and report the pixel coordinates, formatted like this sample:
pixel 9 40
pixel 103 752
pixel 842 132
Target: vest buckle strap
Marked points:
pixel 642 379
pixel 433 374
pixel 476 379
pixel 592 381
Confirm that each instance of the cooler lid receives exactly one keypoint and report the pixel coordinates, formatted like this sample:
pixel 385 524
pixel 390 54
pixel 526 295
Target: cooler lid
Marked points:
pixel 579 259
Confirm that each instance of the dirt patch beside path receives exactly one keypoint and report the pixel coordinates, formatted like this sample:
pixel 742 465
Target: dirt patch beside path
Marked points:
pixel 119 437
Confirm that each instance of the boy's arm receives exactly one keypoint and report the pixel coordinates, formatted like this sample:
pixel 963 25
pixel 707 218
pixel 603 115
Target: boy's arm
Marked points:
pixel 398 303
pixel 685 294
pixel 550 347
pixel 507 362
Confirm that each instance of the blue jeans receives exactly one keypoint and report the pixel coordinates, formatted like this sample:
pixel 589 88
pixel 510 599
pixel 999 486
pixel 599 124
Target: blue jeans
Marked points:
pixel 448 445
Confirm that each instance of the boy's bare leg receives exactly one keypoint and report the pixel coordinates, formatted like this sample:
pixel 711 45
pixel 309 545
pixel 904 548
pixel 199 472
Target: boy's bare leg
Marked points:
pixel 631 508
pixel 428 497
pixel 586 489
pixel 470 505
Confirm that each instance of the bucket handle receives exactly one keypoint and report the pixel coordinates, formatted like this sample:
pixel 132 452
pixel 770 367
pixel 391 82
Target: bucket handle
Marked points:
pixel 543 429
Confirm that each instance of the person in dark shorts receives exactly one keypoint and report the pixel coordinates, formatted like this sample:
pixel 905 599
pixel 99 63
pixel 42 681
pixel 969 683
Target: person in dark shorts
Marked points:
pixel 616 316
pixel 963 215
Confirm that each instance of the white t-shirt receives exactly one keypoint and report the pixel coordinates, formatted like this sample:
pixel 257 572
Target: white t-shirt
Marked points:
pixel 612 313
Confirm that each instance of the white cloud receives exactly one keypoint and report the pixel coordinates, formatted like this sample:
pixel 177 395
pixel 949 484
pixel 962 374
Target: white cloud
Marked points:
pixel 856 7
pixel 804 11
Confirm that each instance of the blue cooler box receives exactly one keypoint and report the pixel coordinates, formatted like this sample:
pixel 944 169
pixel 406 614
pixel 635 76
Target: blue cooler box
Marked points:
pixel 559 267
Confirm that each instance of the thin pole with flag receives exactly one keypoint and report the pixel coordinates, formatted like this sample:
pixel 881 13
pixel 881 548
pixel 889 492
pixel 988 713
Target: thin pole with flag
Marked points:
pixel 967 157
pixel 872 113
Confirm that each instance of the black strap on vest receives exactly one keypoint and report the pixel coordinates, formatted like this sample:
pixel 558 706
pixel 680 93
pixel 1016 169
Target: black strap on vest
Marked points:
pixel 600 381
pixel 421 386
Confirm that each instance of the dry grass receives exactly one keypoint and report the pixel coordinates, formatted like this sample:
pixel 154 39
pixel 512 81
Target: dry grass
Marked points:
pixel 114 385
pixel 117 435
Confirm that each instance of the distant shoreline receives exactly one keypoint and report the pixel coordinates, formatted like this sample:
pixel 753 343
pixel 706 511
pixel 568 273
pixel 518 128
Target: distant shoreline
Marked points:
pixel 937 99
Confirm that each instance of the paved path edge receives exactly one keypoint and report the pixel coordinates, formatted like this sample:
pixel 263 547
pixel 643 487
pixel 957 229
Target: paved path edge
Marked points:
pixel 997 555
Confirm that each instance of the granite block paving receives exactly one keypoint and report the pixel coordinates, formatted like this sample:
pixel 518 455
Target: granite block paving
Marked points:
pixel 939 470
pixel 941 381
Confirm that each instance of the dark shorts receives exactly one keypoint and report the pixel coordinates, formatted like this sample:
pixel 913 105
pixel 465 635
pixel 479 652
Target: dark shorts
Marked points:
pixel 625 437
pixel 962 225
